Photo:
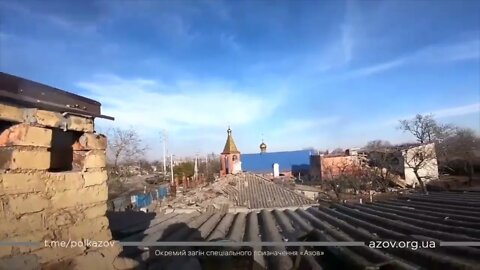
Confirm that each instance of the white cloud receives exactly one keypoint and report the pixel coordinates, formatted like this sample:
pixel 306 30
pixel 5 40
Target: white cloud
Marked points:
pixel 195 114
pixel 457 111
pixel 185 105
pixel 378 68
pixel 461 51
pixel 442 113
pixel 468 50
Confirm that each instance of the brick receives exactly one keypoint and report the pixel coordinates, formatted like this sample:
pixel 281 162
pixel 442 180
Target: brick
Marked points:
pixel 24 134
pixel 78 123
pixel 44 118
pixel 18 183
pixel 61 181
pixel 11 113
pixel 71 198
pixel 91 141
pixel 95 211
pixel 11 158
pixel 27 203
pixel 83 160
pixel 95 178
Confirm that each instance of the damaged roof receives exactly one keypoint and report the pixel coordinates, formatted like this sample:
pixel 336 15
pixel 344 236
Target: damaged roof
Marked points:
pixel 254 192
pixel 446 216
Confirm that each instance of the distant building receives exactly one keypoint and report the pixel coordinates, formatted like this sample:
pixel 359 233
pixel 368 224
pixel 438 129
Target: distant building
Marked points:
pixel 330 166
pixel 404 158
pixel 289 162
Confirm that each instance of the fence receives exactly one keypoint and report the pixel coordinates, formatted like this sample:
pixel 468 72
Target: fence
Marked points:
pixel 139 200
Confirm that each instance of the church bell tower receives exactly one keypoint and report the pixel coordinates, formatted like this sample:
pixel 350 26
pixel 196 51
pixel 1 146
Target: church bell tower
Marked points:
pixel 230 157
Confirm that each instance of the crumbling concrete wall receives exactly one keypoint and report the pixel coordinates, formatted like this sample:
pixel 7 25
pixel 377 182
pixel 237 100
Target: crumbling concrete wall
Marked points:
pixel 53 187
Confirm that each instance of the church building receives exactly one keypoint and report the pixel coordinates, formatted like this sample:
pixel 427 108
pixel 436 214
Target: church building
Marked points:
pixel 287 162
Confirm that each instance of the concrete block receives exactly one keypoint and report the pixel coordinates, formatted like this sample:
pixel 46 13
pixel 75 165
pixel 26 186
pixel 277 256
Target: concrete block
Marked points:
pixel 38 236
pixel 29 203
pixel 88 195
pixel 18 183
pixel 46 118
pixel 95 178
pixel 95 211
pixel 27 223
pixel 88 229
pixel 61 181
pixel 24 134
pixel 91 141
pixel 13 158
pixel 78 123
pixel 11 113
pixel 83 160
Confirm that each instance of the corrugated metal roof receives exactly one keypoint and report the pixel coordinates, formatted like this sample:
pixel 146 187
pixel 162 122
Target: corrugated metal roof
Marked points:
pixel 438 216
pixel 255 192
pixel 288 161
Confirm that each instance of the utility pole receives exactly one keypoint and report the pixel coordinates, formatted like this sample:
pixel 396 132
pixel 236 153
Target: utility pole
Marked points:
pixel 164 139
pixel 195 168
pixel 171 169
pixel 206 168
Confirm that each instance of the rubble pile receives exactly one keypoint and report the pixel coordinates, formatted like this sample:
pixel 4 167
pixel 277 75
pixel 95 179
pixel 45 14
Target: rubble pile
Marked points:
pixel 240 191
pixel 202 197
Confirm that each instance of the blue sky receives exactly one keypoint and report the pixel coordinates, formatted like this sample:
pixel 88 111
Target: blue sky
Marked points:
pixel 321 74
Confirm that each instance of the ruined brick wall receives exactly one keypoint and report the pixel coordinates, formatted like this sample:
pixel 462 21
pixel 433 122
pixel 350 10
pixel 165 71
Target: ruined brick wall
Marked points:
pixel 52 187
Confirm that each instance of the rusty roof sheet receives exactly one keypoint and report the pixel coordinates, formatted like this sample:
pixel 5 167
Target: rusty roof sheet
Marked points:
pixel 24 92
pixel 446 216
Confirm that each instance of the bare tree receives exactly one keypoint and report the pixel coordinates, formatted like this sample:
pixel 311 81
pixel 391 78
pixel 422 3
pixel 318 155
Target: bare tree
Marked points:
pixel 344 173
pixel 338 151
pixel 461 147
pixel 377 144
pixel 421 160
pixel 125 146
pixel 426 129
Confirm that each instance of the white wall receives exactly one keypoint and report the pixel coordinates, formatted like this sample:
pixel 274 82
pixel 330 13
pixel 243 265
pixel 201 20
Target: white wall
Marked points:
pixel 429 168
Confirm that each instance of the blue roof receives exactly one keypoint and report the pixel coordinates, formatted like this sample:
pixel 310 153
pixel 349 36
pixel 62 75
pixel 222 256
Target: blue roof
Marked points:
pixel 287 161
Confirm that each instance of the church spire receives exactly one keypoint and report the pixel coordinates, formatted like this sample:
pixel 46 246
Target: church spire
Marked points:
pixel 230 147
